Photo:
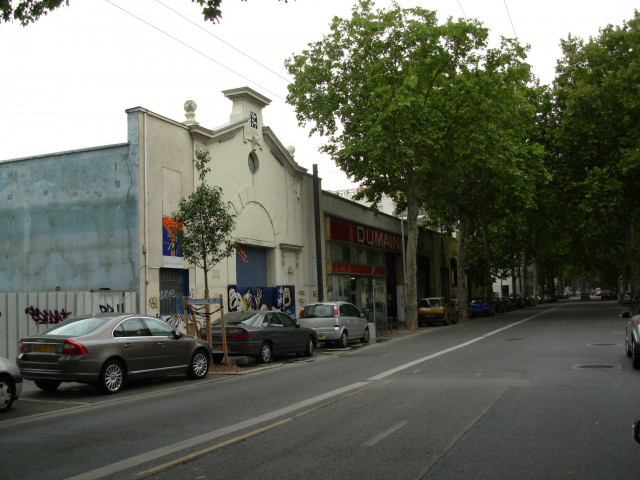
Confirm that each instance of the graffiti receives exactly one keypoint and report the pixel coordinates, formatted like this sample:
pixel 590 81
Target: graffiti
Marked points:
pixel 167 294
pixel 280 298
pixel 47 317
pixel 153 303
pixel 302 292
pixel 314 294
pixel 106 308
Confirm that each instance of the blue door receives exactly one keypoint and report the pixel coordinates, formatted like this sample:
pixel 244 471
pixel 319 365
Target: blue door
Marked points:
pixel 251 266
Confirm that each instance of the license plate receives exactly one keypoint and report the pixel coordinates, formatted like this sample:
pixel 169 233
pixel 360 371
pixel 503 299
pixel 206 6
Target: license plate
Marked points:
pixel 43 348
pixel 217 347
pixel 320 337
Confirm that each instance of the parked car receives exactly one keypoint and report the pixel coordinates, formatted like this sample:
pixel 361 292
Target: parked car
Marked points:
pixel 482 306
pixel 502 304
pixel 10 383
pixel 632 336
pixel 108 349
pixel 517 300
pixel 436 309
pixel 337 322
pixel 626 298
pixel 261 334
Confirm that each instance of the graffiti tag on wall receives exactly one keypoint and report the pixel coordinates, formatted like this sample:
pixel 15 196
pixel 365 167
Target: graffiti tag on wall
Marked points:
pixel 47 317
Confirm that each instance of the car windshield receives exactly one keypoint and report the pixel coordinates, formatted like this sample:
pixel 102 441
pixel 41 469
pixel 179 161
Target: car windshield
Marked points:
pixel 238 318
pixel 75 327
pixel 317 311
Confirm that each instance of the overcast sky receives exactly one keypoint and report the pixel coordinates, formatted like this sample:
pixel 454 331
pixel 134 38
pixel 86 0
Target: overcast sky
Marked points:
pixel 68 79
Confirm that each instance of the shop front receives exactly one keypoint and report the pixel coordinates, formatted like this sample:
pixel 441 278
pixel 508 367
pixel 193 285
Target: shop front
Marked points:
pixel 362 266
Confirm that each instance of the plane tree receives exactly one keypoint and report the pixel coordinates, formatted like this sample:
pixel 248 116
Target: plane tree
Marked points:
pixel 379 87
pixel 596 159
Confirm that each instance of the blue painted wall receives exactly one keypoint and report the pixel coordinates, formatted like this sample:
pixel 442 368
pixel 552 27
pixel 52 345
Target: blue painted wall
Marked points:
pixel 69 221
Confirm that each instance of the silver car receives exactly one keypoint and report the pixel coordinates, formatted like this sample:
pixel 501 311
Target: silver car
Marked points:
pixel 10 383
pixel 335 322
pixel 632 336
pixel 108 349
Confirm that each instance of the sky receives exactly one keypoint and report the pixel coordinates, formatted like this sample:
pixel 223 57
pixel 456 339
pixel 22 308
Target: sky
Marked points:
pixel 67 79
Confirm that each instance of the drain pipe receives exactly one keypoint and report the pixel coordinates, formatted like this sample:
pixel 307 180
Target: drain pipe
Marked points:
pixel 316 212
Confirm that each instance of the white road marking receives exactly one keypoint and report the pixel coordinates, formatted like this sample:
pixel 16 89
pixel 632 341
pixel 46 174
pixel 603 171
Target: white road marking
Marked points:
pixel 385 434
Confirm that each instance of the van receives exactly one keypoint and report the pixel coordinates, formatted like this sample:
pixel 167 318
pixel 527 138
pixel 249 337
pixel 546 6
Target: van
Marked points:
pixel 335 322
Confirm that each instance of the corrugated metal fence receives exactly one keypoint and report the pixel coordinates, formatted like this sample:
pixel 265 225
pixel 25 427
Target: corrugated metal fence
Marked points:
pixel 23 314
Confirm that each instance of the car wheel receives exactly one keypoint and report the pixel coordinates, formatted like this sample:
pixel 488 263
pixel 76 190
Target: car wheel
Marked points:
pixel 265 353
pixel 344 340
pixel 47 385
pixel 7 391
pixel 447 320
pixel 308 350
pixel 112 377
pixel 455 319
pixel 199 366
pixel 635 354
pixel 366 337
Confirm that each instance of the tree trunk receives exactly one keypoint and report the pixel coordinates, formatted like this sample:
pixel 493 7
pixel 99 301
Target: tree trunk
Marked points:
pixel 488 284
pixel 462 277
pixel 411 274
pixel 525 286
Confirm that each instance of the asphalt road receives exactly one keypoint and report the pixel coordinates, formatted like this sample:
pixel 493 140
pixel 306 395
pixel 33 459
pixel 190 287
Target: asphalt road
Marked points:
pixel 541 393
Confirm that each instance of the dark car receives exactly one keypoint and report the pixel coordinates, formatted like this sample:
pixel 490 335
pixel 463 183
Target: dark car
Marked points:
pixel 482 306
pixel 10 383
pixel 518 300
pixel 108 349
pixel 261 334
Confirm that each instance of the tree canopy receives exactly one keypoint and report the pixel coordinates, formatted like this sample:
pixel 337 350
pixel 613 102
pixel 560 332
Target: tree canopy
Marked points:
pixel 415 110
pixel 28 11
pixel 595 146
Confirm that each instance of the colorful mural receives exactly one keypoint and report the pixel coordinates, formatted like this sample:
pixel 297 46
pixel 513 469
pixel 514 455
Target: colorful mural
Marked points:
pixel 281 297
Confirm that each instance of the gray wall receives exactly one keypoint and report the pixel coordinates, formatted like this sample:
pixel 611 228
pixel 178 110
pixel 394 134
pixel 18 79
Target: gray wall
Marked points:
pixel 69 221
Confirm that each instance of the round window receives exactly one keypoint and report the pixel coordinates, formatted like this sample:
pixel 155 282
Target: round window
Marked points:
pixel 253 162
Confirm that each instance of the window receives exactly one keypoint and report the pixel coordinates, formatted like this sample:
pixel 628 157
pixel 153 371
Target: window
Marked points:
pixel 275 320
pixel 286 321
pixel 132 327
pixel 158 328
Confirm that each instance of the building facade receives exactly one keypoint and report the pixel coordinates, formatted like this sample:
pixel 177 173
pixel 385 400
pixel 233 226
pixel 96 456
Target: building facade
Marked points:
pixel 98 220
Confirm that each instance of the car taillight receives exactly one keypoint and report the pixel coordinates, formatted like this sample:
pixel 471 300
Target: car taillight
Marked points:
pixel 239 334
pixel 20 347
pixel 300 314
pixel 73 348
pixel 638 322
pixel 442 309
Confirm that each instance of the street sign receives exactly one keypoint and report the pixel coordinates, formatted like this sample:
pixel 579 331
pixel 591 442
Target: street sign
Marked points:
pixel 203 301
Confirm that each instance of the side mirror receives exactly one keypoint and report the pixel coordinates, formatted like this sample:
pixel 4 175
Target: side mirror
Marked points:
pixel 177 334
pixel 625 315
pixel 636 430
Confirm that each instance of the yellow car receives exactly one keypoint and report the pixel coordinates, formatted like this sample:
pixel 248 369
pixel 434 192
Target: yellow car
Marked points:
pixel 436 309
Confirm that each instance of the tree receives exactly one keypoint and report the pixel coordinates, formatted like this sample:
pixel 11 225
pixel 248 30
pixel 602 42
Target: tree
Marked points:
pixel 377 86
pixel 204 225
pixel 28 11
pixel 382 87
pixel 596 159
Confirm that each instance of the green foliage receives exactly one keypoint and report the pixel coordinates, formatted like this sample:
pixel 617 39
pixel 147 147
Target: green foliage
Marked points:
pixel 382 86
pixel 28 11
pixel 596 149
pixel 205 222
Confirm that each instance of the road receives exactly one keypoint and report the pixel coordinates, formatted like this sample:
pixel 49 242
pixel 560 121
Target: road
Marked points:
pixel 541 393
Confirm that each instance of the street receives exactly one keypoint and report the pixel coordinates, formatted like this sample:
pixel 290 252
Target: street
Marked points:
pixel 540 393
